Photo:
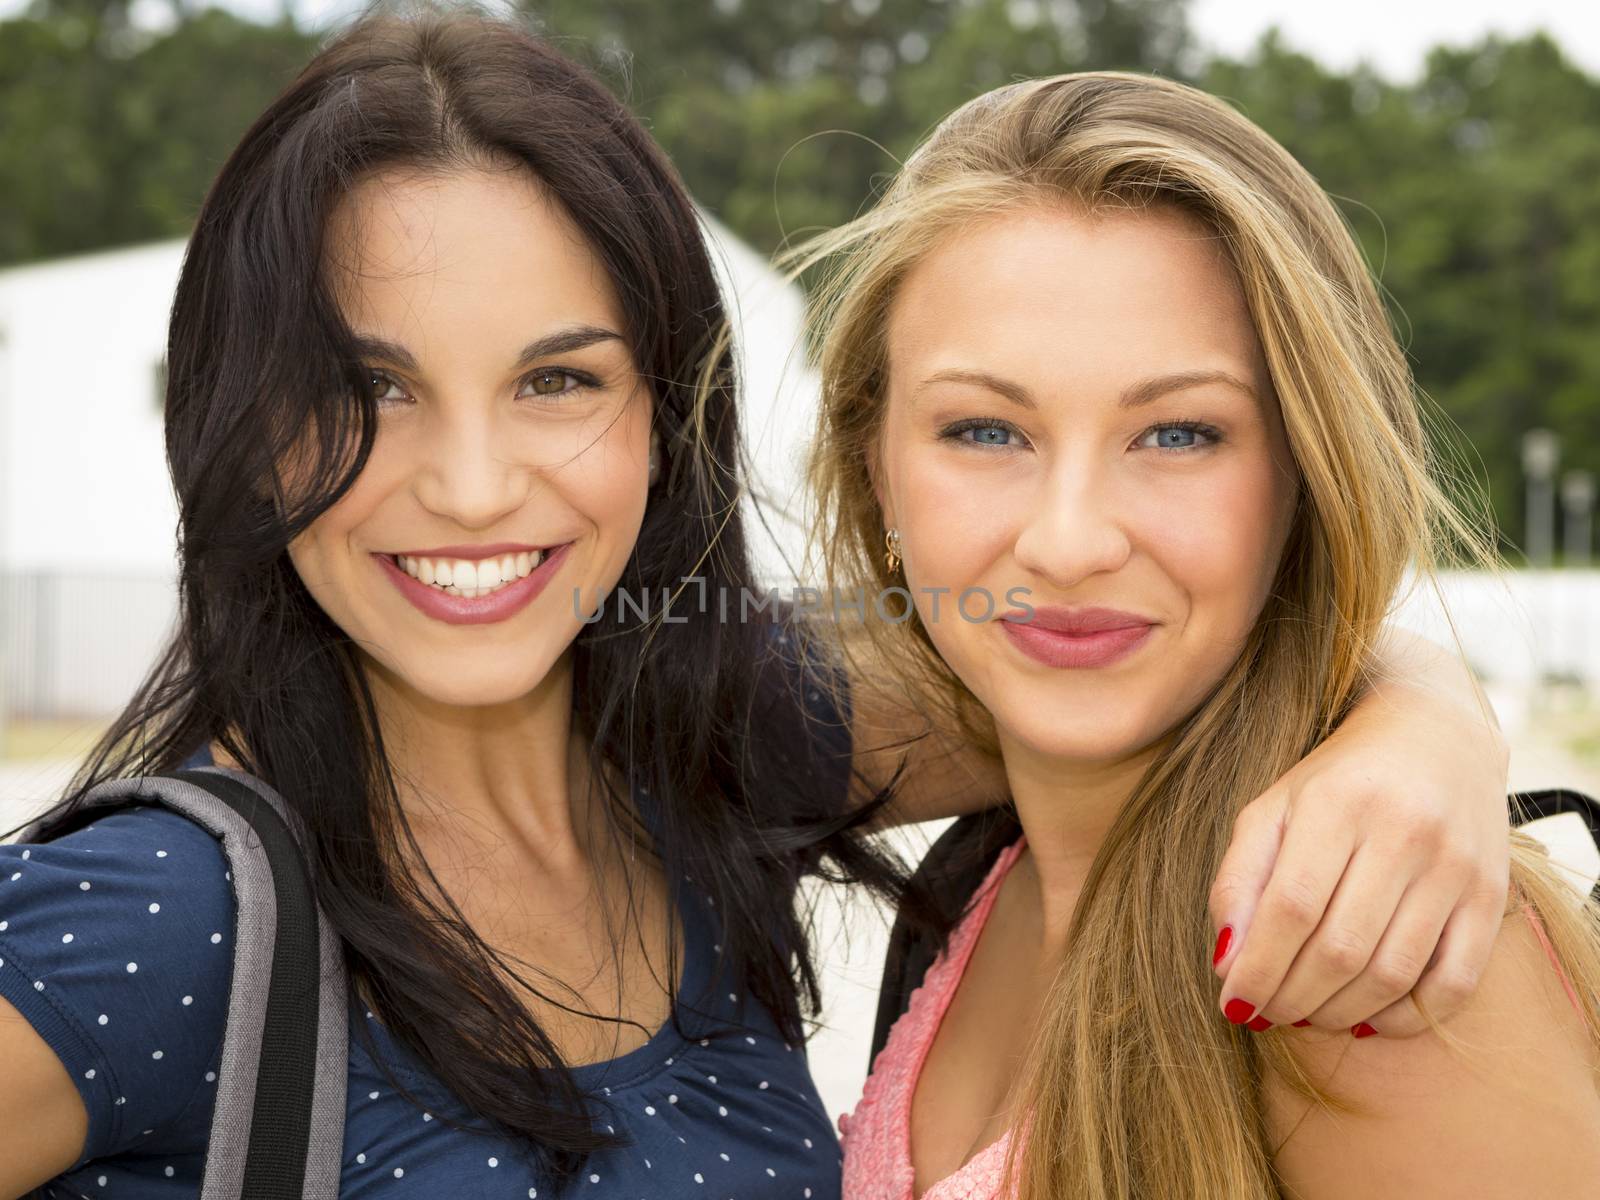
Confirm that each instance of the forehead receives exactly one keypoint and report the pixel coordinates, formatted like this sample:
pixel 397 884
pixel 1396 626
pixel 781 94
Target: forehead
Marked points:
pixel 1052 292
pixel 407 246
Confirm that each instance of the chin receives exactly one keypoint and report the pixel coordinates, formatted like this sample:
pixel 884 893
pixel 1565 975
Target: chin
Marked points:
pixel 1107 735
pixel 464 683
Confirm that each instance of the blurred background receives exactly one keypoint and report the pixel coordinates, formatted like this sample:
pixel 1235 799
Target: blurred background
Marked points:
pixel 1461 139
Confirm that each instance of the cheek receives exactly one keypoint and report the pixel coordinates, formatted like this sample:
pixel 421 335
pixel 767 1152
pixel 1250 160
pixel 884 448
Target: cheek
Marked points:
pixel 610 465
pixel 1220 542
pixel 322 553
pixel 955 516
pixel 607 480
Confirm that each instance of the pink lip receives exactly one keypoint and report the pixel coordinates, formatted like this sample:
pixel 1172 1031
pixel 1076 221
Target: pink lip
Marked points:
pixel 1077 620
pixel 1083 637
pixel 482 610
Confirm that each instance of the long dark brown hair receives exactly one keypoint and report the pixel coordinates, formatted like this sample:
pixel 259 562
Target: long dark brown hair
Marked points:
pixel 696 712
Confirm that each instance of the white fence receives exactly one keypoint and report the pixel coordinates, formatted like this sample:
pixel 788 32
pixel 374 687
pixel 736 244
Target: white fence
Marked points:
pixel 76 645
pixel 1521 628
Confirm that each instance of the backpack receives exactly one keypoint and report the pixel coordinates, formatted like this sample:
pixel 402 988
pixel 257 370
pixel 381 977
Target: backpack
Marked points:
pixel 960 859
pixel 278 1129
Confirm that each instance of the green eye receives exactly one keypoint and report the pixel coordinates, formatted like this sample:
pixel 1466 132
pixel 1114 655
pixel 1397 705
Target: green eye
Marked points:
pixel 552 383
pixel 378 383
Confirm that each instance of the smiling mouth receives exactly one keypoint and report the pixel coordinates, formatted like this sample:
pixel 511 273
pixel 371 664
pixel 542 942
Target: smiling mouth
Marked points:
pixel 471 579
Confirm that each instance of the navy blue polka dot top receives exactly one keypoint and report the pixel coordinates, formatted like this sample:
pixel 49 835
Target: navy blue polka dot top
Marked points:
pixel 115 945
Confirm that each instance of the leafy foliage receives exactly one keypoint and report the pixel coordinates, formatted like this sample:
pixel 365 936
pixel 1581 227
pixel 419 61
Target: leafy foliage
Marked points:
pixel 1475 189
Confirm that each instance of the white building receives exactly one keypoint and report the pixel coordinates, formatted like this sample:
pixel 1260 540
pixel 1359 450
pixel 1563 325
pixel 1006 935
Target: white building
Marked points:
pixel 87 516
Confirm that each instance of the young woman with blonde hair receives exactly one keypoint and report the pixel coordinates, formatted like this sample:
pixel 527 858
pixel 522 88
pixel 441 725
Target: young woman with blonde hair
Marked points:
pixel 1105 361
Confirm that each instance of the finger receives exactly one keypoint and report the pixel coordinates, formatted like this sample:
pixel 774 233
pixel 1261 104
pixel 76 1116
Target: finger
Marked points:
pixel 1317 846
pixel 1397 962
pixel 1339 959
pixel 1458 964
pixel 1243 875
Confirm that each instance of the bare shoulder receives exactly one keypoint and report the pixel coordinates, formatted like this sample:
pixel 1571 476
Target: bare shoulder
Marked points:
pixel 1511 1110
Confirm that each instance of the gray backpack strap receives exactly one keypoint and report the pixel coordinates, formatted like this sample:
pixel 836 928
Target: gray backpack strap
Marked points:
pixel 278 1129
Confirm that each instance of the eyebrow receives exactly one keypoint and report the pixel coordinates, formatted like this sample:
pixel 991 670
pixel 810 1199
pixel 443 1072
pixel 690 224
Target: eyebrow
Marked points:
pixel 1135 396
pixel 562 341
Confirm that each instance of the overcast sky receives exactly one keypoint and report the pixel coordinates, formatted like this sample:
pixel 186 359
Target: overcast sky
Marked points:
pixel 1393 35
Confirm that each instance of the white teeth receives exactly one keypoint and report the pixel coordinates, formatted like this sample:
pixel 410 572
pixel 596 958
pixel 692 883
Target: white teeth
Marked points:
pixel 459 577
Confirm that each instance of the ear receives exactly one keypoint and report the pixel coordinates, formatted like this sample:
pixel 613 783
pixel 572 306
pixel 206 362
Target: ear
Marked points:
pixel 880 490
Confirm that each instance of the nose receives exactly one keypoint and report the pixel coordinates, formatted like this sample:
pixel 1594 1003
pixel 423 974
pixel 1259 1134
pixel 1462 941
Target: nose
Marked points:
pixel 1076 530
pixel 466 474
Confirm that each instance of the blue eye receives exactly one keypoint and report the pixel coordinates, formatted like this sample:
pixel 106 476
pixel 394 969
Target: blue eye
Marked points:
pixel 985 432
pixel 990 435
pixel 1180 435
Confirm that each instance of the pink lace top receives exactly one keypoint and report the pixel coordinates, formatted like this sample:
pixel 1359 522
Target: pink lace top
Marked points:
pixel 877 1136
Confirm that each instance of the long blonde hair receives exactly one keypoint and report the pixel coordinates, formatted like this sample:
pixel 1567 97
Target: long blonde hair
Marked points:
pixel 1136 1087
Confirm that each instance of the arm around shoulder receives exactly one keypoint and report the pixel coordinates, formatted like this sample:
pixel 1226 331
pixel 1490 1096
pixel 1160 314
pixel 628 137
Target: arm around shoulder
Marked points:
pixel 1511 1109
pixel 947 771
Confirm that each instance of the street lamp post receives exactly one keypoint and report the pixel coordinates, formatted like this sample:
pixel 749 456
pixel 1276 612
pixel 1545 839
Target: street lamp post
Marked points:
pixel 1541 450
pixel 1577 499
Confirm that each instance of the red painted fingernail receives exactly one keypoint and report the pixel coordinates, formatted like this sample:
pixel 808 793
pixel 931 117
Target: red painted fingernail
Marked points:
pixel 1224 940
pixel 1301 1024
pixel 1363 1030
pixel 1259 1025
pixel 1238 1011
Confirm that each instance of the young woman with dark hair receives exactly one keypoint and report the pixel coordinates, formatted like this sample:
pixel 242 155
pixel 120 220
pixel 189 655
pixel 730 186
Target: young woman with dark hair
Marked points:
pixel 446 370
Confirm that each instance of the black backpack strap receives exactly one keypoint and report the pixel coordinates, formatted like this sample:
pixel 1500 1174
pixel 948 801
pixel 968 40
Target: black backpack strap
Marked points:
pixel 278 1129
pixel 952 869
pixel 1527 807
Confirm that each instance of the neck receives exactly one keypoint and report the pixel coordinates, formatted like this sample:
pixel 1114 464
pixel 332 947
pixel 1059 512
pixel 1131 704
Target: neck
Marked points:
pixel 513 775
pixel 1066 808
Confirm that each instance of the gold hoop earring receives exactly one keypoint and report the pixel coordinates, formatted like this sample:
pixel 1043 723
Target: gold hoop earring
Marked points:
pixel 891 543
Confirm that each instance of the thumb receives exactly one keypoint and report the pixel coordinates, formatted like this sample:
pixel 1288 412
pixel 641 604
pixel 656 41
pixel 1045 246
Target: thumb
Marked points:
pixel 1243 874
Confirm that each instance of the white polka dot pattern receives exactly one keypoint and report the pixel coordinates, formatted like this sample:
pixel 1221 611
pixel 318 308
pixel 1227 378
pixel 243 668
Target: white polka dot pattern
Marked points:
pixel 136 950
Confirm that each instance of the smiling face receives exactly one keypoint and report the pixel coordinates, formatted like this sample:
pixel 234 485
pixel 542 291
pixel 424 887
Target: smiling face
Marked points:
pixel 513 428
pixel 1079 406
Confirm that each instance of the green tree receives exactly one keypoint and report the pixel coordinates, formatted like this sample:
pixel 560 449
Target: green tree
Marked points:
pixel 111 134
pixel 1473 193
pixel 1472 190
pixel 781 113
